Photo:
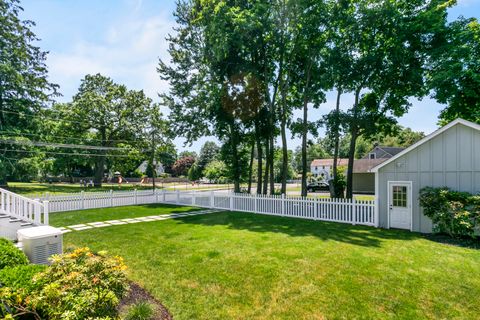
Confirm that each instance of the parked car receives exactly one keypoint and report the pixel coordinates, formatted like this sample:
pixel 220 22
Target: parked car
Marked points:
pixel 318 186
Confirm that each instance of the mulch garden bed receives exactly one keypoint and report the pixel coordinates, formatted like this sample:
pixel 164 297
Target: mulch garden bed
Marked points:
pixel 138 294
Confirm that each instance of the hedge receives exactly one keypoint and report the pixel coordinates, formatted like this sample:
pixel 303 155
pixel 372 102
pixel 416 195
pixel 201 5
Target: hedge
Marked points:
pixel 452 212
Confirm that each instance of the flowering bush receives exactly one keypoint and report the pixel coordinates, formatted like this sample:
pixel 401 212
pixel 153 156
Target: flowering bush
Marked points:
pixel 452 212
pixel 77 285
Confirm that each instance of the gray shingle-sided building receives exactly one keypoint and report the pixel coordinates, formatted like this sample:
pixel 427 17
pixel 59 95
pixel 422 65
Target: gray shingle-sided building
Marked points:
pixel 448 157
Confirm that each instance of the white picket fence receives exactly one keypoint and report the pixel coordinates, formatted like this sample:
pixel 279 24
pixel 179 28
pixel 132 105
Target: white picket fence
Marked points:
pixel 17 212
pixel 23 208
pixel 338 210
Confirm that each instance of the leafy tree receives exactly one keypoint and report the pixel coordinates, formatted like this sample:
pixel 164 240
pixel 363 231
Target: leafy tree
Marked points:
pixel 194 173
pixel 209 152
pixel 24 85
pixel 182 165
pixel 384 46
pixel 455 71
pixel 109 112
pixel 186 153
pixel 216 171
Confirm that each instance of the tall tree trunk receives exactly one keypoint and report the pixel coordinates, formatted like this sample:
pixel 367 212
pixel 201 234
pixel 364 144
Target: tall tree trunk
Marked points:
pixel 272 173
pixel 99 170
pixel 236 161
pixel 283 125
pixel 305 131
pixel 336 129
pixel 267 165
pixel 250 167
pixel 259 159
pixel 353 144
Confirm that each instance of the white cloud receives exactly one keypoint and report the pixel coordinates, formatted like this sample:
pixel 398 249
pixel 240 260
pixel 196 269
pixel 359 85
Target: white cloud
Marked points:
pixel 129 53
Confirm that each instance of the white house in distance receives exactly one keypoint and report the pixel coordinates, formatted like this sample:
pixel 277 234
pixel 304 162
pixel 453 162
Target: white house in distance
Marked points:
pixel 158 167
pixel 363 179
pixel 449 157
pixel 322 168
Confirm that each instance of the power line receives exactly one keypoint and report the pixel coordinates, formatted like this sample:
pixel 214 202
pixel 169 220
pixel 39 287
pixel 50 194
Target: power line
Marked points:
pixel 59 145
pixel 69 154
pixel 13 133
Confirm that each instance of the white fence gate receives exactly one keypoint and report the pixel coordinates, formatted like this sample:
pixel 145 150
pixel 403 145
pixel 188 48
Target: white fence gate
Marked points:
pixel 338 210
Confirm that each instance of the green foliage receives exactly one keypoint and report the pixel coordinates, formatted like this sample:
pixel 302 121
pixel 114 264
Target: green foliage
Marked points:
pixel 216 171
pixel 209 152
pixel 77 285
pixel 140 311
pixel 195 173
pixel 452 212
pixel 80 285
pixel 11 256
pixel 455 70
pixel 20 276
pixel 339 183
pixel 24 85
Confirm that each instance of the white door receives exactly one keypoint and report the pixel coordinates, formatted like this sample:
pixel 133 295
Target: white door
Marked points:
pixel 400 204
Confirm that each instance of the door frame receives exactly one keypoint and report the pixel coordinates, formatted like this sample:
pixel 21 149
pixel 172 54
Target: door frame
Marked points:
pixel 409 185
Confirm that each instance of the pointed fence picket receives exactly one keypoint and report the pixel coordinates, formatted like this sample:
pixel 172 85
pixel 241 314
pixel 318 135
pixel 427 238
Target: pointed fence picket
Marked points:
pixel 336 210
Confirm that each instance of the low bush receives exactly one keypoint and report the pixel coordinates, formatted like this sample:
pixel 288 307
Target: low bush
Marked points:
pixel 77 285
pixel 452 212
pixel 10 255
pixel 140 311
pixel 20 277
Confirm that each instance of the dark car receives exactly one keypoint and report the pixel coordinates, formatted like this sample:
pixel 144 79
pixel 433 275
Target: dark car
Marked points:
pixel 318 186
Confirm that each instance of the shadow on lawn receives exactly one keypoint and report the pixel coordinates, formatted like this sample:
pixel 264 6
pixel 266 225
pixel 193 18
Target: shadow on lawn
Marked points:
pixel 327 231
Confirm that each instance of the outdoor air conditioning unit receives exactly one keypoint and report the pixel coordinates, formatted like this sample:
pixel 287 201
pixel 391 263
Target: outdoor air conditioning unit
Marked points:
pixel 39 243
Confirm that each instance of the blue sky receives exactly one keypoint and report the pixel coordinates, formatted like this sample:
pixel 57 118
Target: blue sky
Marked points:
pixel 125 38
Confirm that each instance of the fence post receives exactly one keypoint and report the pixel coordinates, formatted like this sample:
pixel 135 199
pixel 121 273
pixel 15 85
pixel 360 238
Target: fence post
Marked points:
pixel 46 211
pixel 255 197
pixel 178 196
pixel 135 195
pixel 231 195
pixel 82 194
pixel 38 212
pixel 283 204
pixel 193 197
pixel 315 208
pixel 212 200
pixel 354 206
pixel 111 198
pixel 156 195
pixel 163 193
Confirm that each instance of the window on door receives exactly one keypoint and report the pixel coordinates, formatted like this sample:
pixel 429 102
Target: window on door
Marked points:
pixel 399 196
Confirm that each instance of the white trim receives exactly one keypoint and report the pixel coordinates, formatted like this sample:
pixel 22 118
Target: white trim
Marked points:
pixel 377 204
pixel 427 138
pixel 409 202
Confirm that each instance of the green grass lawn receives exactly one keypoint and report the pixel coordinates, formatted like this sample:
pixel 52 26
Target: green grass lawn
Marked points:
pixel 30 188
pixel 247 266
pixel 33 188
pixel 63 219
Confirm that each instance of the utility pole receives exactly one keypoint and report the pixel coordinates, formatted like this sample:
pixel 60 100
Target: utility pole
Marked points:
pixel 154 167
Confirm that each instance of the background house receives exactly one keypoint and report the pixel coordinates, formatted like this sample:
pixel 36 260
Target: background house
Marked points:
pixel 363 179
pixel 158 167
pixel 449 157
pixel 322 168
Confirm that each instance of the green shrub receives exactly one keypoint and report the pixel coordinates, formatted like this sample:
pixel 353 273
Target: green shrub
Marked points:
pixel 77 285
pixel 452 212
pixel 82 285
pixel 11 256
pixel 20 277
pixel 140 311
